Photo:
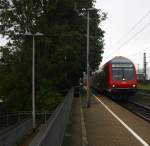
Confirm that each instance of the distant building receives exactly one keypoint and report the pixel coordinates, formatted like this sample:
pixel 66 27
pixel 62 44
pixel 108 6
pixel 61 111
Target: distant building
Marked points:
pixel 140 76
pixel 148 73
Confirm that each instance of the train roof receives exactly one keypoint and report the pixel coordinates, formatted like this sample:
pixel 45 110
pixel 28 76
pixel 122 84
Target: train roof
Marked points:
pixel 117 59
pixel 120 59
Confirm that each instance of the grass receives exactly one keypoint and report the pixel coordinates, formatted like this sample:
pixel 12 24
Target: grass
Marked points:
pixel 144 86
pixel 145 100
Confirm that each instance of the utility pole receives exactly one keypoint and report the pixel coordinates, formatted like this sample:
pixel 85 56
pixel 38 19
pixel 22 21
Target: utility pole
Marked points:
pixel 88 88
pixel 138 67
pixel 88 64
pixel 144 66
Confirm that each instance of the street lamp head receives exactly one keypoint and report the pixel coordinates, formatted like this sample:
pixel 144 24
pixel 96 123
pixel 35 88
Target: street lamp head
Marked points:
pixel 92 9
pixel 28 33
pixel 32 34
pixel 39 34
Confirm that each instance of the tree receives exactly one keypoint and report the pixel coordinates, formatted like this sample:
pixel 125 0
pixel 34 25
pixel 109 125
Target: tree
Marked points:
pixel 60 54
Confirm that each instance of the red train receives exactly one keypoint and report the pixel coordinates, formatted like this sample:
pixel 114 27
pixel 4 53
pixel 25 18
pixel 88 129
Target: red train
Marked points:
pixel 116 78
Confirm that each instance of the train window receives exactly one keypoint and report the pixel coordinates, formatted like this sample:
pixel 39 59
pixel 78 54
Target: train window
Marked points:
pixel 122 73
pixel 122 65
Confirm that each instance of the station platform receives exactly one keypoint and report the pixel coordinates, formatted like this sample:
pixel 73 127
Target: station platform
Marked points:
pixel 97 126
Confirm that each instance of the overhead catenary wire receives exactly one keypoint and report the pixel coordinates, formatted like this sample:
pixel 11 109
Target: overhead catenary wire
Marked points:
pixel 131 38
pixel 137 53
pixel 132 28
pixel 148 56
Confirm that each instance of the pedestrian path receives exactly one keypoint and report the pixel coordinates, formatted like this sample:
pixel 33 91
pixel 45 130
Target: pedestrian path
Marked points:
pixel 73 135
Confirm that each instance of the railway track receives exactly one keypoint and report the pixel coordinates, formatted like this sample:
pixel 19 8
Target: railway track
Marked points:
pixel 143 92
pixel 138 109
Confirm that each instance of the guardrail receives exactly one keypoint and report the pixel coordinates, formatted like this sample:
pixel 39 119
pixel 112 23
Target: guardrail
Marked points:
pixel 51 134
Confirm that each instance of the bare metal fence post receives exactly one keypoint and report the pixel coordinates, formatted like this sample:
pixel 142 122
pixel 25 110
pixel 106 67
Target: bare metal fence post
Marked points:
pixel 7 120
pixel 19 117
pixel 45 117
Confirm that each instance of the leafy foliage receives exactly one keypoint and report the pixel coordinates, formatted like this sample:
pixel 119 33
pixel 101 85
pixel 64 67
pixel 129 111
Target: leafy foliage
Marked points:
pixel 60 54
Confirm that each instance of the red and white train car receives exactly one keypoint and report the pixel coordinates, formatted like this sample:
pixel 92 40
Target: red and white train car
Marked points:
pixel 116 77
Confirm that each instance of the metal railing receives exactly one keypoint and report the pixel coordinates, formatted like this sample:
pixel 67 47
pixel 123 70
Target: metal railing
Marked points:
pixel 15 135
pixel 18 126
pixel 12 118
pixel 51 134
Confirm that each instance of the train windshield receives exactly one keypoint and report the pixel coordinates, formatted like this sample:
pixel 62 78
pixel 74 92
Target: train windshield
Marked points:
pixel 122 72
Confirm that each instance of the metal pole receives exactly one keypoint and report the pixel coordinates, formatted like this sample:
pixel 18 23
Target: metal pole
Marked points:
pixel 33 83
pixel 88 100
pixel 145 71
pixel 33 75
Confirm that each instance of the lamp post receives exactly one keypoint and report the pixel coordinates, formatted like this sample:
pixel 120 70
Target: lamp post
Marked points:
pixel 88 65
pixel 33 74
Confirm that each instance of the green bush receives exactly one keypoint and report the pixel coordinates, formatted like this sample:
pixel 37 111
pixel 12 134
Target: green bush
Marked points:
pixel 48 99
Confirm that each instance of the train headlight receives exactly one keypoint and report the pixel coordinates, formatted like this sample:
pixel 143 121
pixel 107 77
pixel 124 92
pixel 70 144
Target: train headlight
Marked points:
pixel 113 85
pixel 133 86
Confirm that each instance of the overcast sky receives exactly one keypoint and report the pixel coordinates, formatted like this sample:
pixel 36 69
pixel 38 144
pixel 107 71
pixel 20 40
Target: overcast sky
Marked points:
pixel 122 16
pixel 2 41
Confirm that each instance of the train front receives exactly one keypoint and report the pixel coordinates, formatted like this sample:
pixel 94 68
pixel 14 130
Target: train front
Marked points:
pixel 123 77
